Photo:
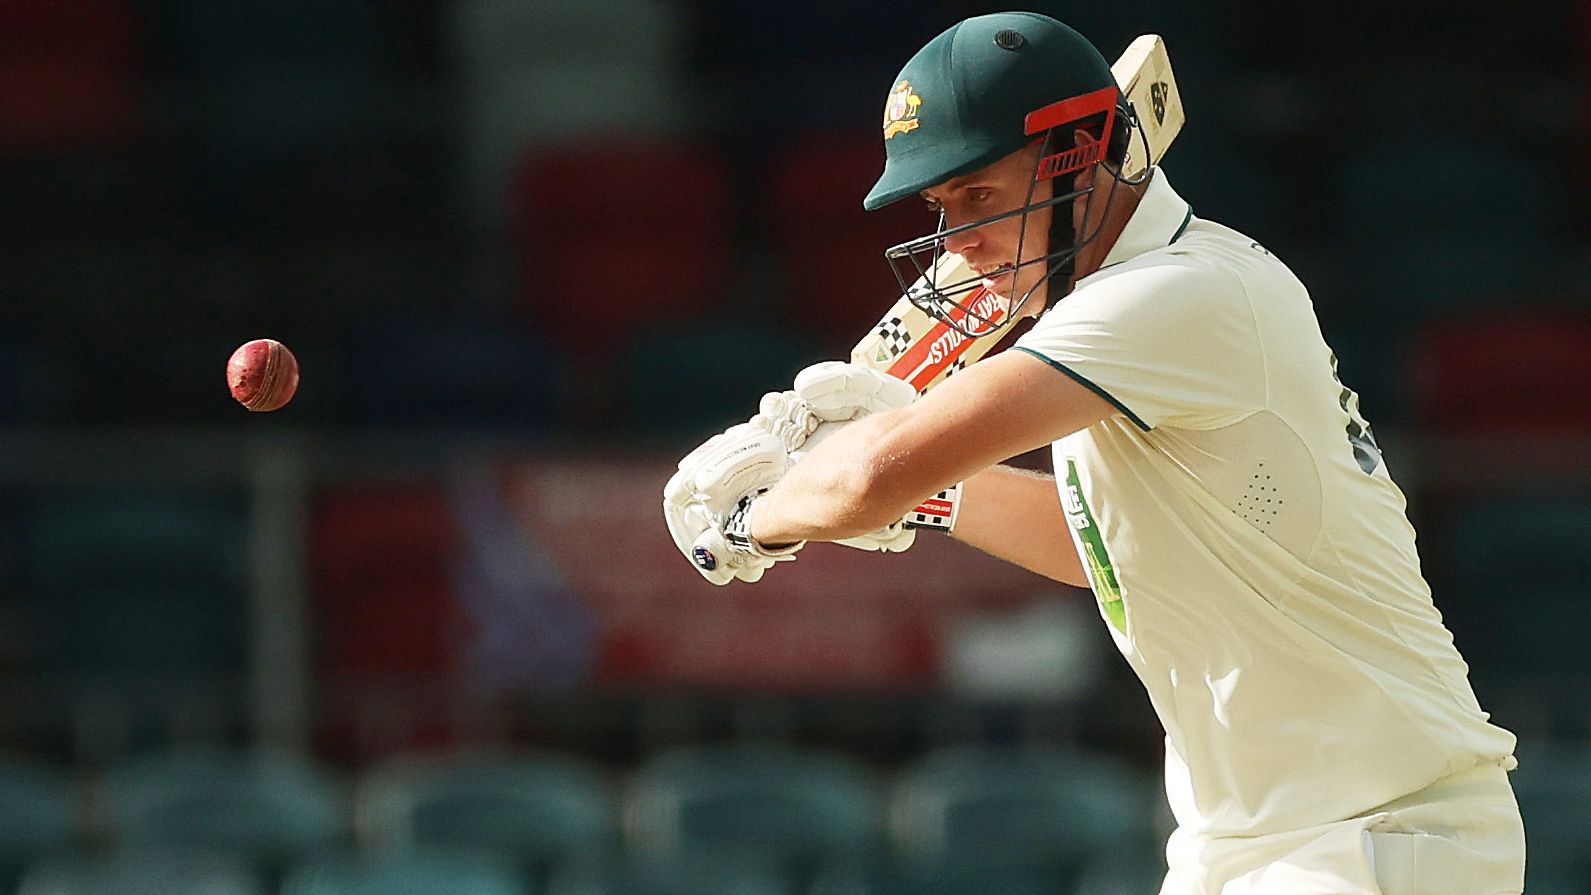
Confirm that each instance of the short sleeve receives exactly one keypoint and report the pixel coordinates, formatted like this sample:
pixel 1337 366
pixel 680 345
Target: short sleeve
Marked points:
pixel 1166 339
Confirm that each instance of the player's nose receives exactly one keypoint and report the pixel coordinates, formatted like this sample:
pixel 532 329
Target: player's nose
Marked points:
pixel 960 243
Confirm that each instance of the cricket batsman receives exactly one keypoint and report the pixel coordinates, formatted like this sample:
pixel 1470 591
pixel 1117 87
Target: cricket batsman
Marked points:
pixel 1214 484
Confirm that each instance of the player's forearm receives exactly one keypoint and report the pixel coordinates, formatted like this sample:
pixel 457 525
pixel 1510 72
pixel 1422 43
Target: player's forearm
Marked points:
pixel 1016 515
pixel 847 486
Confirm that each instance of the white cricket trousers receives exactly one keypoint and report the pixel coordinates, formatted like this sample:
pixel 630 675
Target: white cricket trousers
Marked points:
pixel 1459 836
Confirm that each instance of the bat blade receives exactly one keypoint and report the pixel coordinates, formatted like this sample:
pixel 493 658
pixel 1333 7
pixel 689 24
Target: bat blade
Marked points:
pixel 911 344
pixel 1144 75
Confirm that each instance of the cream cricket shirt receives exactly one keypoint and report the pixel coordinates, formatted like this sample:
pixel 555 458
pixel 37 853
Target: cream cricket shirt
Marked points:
pixel 1248 549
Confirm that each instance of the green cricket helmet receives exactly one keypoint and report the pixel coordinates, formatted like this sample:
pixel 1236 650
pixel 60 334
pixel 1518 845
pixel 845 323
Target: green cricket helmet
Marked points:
pixel 983 89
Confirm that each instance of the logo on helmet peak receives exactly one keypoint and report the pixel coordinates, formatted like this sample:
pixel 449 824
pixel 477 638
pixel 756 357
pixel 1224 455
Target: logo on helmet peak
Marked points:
pixel 900 110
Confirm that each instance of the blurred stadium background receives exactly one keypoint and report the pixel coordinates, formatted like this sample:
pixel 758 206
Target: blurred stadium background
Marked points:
pixel 423 631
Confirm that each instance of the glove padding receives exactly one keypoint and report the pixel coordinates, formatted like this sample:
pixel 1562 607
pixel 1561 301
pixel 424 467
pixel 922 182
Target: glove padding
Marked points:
pixel 713 483
pixel 839 393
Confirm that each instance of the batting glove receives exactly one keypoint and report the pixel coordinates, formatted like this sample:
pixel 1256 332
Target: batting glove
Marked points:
pixel 707 502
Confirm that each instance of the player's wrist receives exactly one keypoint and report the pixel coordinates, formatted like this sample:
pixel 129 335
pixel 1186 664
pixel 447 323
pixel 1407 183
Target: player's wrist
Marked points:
pixel 738 531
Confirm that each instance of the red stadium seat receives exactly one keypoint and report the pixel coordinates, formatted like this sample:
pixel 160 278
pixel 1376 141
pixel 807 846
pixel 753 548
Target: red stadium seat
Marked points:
pixel 67 73
pixel 831 251
pixel 612 237
pixel 379 567
pixel 1505 371
pixel 386 617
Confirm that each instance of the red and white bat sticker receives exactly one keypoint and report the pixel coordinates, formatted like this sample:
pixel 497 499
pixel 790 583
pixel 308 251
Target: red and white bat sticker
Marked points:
pixel 943 345
pixel 937 513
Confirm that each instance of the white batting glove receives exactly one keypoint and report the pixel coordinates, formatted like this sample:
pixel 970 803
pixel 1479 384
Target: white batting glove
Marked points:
pixel 839 391
pixel 710 494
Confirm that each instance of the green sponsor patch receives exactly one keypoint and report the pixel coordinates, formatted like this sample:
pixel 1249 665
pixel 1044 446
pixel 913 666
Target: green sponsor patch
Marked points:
pixel 1101 574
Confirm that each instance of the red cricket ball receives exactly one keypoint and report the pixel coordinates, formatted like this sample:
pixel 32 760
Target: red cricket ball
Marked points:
pixel 262 374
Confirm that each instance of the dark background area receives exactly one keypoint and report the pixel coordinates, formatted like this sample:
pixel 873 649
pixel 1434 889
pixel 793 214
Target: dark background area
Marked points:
pixel 562 242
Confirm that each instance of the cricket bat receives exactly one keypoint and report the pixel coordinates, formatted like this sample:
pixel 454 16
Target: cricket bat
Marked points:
pixel 910 344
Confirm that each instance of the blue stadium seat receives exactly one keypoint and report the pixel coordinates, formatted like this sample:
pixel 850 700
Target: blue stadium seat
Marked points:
pixel 460 370
pixel 143 873
pixel 534 807
pixel 1023 808
pixel 790 805
pixel 262 807
pixel 405 874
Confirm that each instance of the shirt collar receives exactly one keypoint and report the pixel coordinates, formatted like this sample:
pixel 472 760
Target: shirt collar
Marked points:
pixel 1159 219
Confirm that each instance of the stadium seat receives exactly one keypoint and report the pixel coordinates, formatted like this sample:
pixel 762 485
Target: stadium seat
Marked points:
pixel 1518 570
pixel 380 566
pixel 143 873
pixel 535 74
pixel 631 874
pixel 486 372
pixel 405 874
pixel 68 74
pixel 269 81
pixel 790 805
pixel 616 236
pixel 1431 236
pixel 830 252
pixel 790 69
pixel 1006 807
pixel 721 370
pixel 132 582
pixel 1425 234
pixel 39 816
pixel 538 808
pixel 885 877
pixel 1505 372
pixel 260 807
pixel 1553 785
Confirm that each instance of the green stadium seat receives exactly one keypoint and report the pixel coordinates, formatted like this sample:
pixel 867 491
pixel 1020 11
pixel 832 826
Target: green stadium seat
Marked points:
pixel 536 807
pixel 790 805
pixel 143 873
pixel 39 817
pixel 885 877
pixel 1517 572
pixel 701 874
pixel 1008 807
pixel 130 582
pixel 263 807
pixel 405 874
pixel 723 369
pixel 1553 785
pixel 1123 872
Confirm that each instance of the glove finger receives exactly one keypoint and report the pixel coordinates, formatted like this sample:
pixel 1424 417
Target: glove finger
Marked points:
pixel 901 542
pixel 741 467
pixel 678 488
pixel 894 392
pixel 822 378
